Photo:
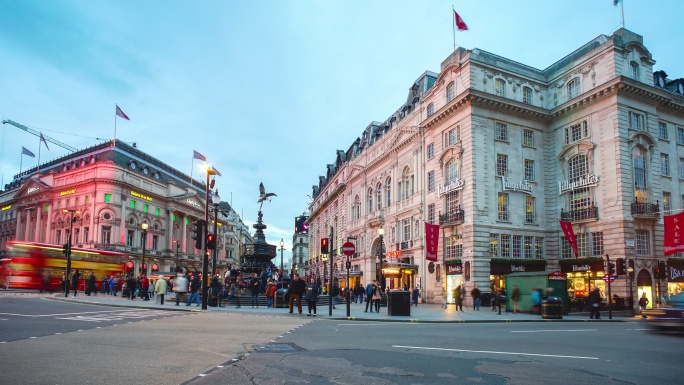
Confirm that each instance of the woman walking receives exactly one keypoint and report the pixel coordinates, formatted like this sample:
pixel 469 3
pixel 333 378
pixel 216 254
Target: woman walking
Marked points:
pixel 312 291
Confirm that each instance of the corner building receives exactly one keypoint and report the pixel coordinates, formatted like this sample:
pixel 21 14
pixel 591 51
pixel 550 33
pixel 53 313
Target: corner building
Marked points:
pixel 496 153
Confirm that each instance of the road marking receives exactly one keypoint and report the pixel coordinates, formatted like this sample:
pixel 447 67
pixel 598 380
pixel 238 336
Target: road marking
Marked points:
pixel 494 352
pixel 541 331
pixel 62 314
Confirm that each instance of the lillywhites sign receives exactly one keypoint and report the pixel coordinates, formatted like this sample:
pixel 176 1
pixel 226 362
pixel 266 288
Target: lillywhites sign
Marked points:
pixel 581 268
pixel 67 192
pixel 589 180
pixel 517 268
pixel 516 186
pixel 33 189
pixel 141 196
pixel 454 185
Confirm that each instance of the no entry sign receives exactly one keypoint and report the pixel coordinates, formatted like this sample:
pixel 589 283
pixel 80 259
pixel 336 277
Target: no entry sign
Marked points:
pixel 348 249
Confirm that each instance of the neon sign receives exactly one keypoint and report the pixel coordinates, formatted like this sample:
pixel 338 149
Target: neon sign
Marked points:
pixel 141 196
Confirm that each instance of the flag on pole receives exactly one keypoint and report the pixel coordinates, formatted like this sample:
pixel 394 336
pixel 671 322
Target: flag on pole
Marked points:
pixel 24 151
pixel 570 236
pixel 120 113
pixel 199 156
pixel 42 139
pixel 216 171
pixel 431 241
pixel 460 24
pixel 616 2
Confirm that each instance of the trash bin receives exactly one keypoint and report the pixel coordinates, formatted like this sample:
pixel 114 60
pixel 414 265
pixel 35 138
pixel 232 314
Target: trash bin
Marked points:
pixel 399 302
pixel 279 299
pixel 552 308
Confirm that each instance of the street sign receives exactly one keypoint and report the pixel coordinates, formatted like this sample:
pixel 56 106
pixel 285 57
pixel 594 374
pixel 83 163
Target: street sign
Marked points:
pixel 610 278
pixel 348 249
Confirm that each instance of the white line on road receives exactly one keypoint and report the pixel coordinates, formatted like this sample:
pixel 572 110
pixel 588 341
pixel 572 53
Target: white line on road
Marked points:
pixel 494 352
pixel 62 314
pixel 541 331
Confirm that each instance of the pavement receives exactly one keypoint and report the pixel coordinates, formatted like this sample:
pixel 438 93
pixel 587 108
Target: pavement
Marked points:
pixel 423 313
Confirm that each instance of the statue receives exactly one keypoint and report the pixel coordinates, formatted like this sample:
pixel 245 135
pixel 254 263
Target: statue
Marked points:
pixel 263 195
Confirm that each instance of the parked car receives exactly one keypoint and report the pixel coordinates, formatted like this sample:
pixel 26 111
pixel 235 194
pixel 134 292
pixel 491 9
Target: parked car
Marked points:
pixel 669 316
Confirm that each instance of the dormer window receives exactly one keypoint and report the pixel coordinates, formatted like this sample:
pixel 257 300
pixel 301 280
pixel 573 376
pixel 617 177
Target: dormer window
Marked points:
pixel 573 88
pixel 500 87
pixel 634 70
pixel 451 91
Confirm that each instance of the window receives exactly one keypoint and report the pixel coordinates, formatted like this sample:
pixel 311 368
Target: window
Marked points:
pixel 597 243
pixel 431 150
pixel 378 195
pixel 517 246
pixel 132 204
pixel 388 192
pixel 58 237
pixel 130 236
pixel 667 203
pixel 406 184
pixel 640 182
pixel 451 170
pixel 634 70
pixel 493 245
pixel 500 87
pixel 157 211
pixel 106 235
pixel 430 109
pixel 530 212
pixel 453 201
pixel 643 242
pixel 369 203
pixel 636 121
pixel 578 168
pixel 406 227
pixel 501 164
pixel 155 242
pixel 501 132
pixel 529 169
pixel 664 164
pixel 573 88
pixel 503 207
pixel 527 95
pixel 146 208
pixel 566 250
pixel 431 181
pixel 662 130
pixel 528 138
pixel 356 209
pixel 451 91
pixel 431 213
pixel 681 168
pixel 505 245
pixel 86 231
pixel 582 245
pixel 450 138
pixel 77 232
pixel 454 247
pixel 680 135
pixel 539 247
pixel 108 198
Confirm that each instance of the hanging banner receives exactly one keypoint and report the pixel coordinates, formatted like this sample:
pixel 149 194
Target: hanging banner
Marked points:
pixel 431 241
pixel 570 236
pixel 674 236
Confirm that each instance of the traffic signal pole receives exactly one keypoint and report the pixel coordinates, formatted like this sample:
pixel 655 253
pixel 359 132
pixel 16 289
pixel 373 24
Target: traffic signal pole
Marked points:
pixel 610 298
pixel 205 259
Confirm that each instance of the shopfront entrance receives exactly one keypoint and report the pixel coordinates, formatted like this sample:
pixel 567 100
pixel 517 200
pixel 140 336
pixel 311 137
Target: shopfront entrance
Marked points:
pixel 645 285
pixel 454 279
pixel 399 275
pixel 500 268
pixel 675 276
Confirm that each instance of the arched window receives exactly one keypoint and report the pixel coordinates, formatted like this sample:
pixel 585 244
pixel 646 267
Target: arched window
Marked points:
pixel 500 87
pixel 634 70
pixel 369 201
pixel 430 109
pixel 378 195
pixel 356 209
pixel 451 170
pixel 451 91
pixel 388 192
pixel 578 168
pixel 640 181
pixel 573 88
pixel 527 95
pixel 406 184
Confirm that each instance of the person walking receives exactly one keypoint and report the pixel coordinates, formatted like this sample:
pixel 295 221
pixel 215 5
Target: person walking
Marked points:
pixel 312 291
pixel 377 294
pixel 295 292
pixel 501 299
pixel 643 302
pixel 458 301
pixel 161 287
pixel 105 285
pixel 194 290
pixel 536 297
pixel 335 293
pixel 270 292
pixel 90 285
pixel 594 303
pixel 369 296
pixel 515 297
pixel 415 294
pixel 475 293
pixel 254 286
pixel 233 293
pixel 114 285
pixel 74 281
pixel 180 286
pixel 358 293
pixel 144 287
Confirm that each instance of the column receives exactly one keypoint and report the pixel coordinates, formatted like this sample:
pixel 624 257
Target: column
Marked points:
pixel 184 234
pixel 170 233
pixel 39 224
pixel 27 229
pixel 92 233
pixel 48 230
pixel 119 231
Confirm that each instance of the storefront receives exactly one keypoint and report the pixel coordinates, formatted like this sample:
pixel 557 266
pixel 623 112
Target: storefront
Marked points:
pixel 583 275
pixel 675 276
pixel 454 278
pixel 399 275
pixel 355 277
pixel 500 268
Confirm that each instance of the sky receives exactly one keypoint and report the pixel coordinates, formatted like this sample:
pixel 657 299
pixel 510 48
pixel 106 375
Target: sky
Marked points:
pixel 267 90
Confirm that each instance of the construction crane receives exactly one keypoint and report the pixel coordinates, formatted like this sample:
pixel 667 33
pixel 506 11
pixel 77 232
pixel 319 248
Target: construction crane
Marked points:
pixel 36 133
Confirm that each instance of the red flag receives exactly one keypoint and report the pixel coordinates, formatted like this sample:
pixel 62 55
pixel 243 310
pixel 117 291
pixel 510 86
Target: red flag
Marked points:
pixel 431 241
pixel 42 139
pixel 199 156
pixel 674 234
pixel 460 24
pixel 120 113
pixel 570 236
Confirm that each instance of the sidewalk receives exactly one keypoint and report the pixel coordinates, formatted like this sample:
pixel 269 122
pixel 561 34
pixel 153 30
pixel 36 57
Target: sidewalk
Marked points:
pixel 428 313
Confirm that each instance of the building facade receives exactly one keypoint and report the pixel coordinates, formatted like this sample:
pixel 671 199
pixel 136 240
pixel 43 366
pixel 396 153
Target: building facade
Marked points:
pixel 497 153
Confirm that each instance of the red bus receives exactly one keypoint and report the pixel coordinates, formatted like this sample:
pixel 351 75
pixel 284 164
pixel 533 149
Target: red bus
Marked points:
pixel 42 265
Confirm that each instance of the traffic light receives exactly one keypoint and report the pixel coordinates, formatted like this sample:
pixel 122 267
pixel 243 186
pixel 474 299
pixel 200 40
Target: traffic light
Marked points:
pixel 325 249
pixel 65 249
pixel 621 269
pixel 663 270
pixel 611 268
pixel 198 233
pixel 211 242
pixel 656 272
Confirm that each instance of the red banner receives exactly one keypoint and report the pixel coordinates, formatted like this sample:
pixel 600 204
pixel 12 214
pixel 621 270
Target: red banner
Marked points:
pixel 674 236
pixel 570 236
pixel 431 241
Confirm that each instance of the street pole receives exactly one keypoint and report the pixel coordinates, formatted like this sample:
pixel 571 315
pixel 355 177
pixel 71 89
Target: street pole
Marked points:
pixel 330 253
pixel 68 264
pixel 205 257
pixel 177 257
pixel 217 201
pixel 282 248
pixel 143 268
pixel 381 231
pixel 348 293
pixel 610 298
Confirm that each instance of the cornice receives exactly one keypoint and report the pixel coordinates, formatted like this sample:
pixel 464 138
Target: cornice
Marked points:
pixel 341 187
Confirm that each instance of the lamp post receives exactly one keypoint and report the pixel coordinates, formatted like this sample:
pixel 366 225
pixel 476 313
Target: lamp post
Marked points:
pixel 381 232
pixel 630 277
pixel 282 248
pixel 143 268
pixel 348 292
pixel 72 219
pixel 216 200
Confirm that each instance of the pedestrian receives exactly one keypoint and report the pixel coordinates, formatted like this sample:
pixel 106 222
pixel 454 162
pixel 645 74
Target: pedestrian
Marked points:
pixel 114 285
pixel 594 303
pixel 369 296
pixel 295 292
pixel 233 293
pixel 194 290
pixel 643 302
pixel 145 287
pixel 458 301
pixel 161 288
pixel 75 276
pixel 130 285
pixel 492 298
pixel 105 285
pixel 270 293
pixel 515 297
pixel 335 293
pixel 254 286
pixel 90 285
pixel 501 299
pixel 214 290
pixel 536 297
pixel 475 293
pixel 311 296
pixel 358 293
pixel 415 293
pixel 377 294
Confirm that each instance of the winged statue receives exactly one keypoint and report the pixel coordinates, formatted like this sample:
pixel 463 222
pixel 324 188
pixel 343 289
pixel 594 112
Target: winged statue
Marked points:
pixel 263 195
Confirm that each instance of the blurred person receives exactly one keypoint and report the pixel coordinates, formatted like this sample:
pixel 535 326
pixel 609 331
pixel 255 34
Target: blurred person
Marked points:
pixel 358 293
pixel 415 294
pixel 214 290
pixel 105 285
pixel 114 285
pixel 643 302
pixel 270 292
pixel 254 287
pixel 74 281
pixel 536 300
pixel 295 292
pixel 458 300
pixel 515 297
pixel 131 282
pixel 161 286
pixel 194 290
pixel 475 293
pixel 180 286
pixel 369 296
pixel 335 293
pixel 90 285
pixel 594 303
pixel 233 293
pixel 145 287
pixel 311 296
pixel 377 294
pixel 501 299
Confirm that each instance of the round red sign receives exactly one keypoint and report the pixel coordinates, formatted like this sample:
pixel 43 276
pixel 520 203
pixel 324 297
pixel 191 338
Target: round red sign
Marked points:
pixel 348 249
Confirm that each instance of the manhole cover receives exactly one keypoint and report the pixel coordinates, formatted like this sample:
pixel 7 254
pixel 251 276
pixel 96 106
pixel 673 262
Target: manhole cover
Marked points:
pixel 270 348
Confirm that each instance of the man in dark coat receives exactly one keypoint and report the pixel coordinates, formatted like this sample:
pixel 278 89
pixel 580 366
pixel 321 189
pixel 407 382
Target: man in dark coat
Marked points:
pixel 254 288
pixel 131 283
pixel 297 288
pixel 594 303
pixel 74 281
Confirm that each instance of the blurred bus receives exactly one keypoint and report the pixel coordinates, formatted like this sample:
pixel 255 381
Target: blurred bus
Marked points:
pixel 41 266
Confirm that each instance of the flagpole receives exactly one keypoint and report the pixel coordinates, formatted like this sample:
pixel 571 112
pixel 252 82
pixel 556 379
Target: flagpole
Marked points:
pixel 192 166
pixel 622 6
pixel 21 160
pixel 115 125
pixel 39 143
pixel 453 24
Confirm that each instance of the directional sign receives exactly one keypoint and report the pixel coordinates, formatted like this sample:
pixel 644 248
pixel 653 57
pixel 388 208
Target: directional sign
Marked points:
pixel 348 249
pixel 610 278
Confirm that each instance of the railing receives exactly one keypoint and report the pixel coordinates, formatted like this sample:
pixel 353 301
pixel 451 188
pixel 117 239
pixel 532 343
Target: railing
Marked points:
pixel 590 212
pixel 643 208
pixel 456 216
pixel 405 245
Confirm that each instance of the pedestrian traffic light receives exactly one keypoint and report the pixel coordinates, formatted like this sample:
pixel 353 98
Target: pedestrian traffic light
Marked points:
pixel 65 249
pixel 663 270
pixel 198 233
pixel 621 269
pixel 211 242
pixel 325 249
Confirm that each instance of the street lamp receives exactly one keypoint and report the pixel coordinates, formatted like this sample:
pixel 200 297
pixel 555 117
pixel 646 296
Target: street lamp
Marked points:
pixel 381 233
pixel 282 248
pixel 630 277
pixel 72 219
pixel 216 200
pixel 144 227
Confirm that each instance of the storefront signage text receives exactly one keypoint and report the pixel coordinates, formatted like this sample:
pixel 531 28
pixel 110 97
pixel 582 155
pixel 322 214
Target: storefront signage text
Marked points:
pixel 192 203
pixel 5 208
pixel 557 275
pixel 454 185
pixel 517 268
pixel 516 186
pixel 141 196
pixel 67 192
pixel 581 267
pixel 32 190
pixel 675 274
pixel 454 269
pixel 396 253
pixel 589 180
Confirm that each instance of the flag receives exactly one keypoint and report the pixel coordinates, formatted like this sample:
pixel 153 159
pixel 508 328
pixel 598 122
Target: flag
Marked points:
pixel 570 236
pixel 216 171
pixel 24 151
pixel 199 156
pixel 616 2
pixel 431 241
pixel 674 235
pixel 42 139
pixel 460 24
pixel 120 113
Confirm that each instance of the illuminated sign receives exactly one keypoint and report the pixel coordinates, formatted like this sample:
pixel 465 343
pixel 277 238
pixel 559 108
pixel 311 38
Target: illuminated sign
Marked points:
pixel 32 189
pixel 193 203
pixel 5 208
pixel 67 192
pixel 141 196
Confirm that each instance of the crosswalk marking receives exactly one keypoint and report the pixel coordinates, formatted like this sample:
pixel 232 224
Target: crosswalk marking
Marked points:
pixel 118 316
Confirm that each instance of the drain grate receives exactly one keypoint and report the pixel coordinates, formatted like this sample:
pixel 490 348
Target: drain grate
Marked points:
pixel 274 348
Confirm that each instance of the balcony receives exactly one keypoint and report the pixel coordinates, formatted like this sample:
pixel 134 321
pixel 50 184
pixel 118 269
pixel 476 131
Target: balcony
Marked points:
pixel 456 216
pixel 583 214
pixel 645 210
pixel 405 245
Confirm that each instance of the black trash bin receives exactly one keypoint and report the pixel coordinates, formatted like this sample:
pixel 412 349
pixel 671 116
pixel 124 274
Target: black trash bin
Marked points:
pixel 399 302
pixel 279 299
pixel 552 308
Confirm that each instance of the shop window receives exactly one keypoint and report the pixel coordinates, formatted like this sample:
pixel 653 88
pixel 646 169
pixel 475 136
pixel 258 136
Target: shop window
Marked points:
pixel 108 198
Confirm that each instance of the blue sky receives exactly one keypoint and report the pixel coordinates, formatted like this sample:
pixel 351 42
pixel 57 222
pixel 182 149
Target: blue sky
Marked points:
pixel 266 90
